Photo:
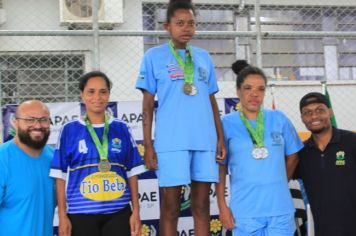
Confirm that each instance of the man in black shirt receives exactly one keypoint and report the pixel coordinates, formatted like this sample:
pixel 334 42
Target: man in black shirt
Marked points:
pixel 328 169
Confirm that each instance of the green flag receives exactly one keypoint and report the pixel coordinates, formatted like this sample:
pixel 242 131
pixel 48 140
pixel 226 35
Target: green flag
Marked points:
pixel 333 118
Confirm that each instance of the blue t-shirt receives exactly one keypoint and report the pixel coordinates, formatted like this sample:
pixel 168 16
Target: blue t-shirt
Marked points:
pixel 182 122
pixel 259 188
pixel 26 192
pixel 76 159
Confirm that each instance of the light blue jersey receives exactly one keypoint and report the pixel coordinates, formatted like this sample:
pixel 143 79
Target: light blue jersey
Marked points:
pixel 76 160
pixel 26 192
pixel 259 188
pixel 182 122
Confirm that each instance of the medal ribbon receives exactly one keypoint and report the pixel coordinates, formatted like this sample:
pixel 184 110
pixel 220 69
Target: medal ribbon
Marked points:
pixel 186 66
pixel 101 147
pixel 257 135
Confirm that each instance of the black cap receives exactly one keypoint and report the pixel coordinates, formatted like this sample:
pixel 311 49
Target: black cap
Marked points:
pixel 313 97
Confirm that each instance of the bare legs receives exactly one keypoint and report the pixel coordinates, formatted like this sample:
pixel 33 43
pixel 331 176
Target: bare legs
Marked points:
pixel 170 209
pixel 200 207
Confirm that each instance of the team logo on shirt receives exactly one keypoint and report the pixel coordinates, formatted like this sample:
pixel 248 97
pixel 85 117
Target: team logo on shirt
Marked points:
pixel 203 75
pixel 276 138
pixel 103 186
pixel 340 158
pixel 174 71
pixel 116 145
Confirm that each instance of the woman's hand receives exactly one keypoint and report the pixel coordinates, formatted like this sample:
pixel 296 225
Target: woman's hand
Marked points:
pixel 226 218
pixel 65 226
pixel 220 151
pixel 150 158
pixel 135 224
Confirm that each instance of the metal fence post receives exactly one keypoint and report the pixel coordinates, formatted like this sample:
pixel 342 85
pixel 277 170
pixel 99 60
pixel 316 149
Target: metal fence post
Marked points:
pixel 96 51
pixel 259 34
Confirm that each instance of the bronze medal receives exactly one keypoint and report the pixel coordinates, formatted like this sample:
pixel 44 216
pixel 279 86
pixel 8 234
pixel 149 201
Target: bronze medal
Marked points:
pixel 187 88
pixel 104 166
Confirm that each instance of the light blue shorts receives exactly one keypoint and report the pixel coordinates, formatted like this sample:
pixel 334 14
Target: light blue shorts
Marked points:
pixel 181 167
pixel 283 225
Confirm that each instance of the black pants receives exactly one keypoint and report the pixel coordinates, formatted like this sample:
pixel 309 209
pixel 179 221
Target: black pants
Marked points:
pixel 115 224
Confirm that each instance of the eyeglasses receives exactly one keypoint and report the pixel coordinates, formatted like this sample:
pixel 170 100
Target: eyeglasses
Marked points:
pixel 32 120
pixel 317 111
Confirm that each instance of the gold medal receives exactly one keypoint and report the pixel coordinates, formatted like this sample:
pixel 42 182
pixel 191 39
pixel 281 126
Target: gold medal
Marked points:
pixel 104 166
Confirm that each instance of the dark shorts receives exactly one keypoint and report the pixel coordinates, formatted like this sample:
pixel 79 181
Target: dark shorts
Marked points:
pixel 101 224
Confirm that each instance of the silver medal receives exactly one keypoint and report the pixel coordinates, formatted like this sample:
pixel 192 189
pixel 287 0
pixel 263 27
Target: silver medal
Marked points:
pixel 193 91
pixel 259 153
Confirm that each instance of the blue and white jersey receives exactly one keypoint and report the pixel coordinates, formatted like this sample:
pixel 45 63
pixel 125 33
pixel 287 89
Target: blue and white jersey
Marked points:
pixel 76 159
pixel 182 122
pixel 259 188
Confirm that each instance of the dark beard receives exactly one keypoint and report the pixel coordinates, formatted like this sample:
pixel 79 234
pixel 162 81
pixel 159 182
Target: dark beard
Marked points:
pixel 317 131
pixel 26 139
pixel 321 130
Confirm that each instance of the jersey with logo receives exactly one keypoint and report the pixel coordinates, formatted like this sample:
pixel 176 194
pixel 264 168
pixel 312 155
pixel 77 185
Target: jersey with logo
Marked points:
pixel 182 122
pixel 76 161
pixel 259 188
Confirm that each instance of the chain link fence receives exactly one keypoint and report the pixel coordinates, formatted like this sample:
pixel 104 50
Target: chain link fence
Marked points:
pixel 45 45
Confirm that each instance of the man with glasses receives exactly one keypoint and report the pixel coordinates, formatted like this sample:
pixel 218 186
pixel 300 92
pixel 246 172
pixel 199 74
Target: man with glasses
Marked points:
pixel 328 169
pixel 26 190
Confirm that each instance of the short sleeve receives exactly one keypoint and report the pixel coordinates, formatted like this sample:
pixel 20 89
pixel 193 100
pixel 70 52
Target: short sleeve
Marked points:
pixel 291 138
pixel 133 160
pixel 146 80
pixel 60 161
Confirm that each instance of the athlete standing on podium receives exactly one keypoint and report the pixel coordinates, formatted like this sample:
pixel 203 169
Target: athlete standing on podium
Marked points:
pixel 188 133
